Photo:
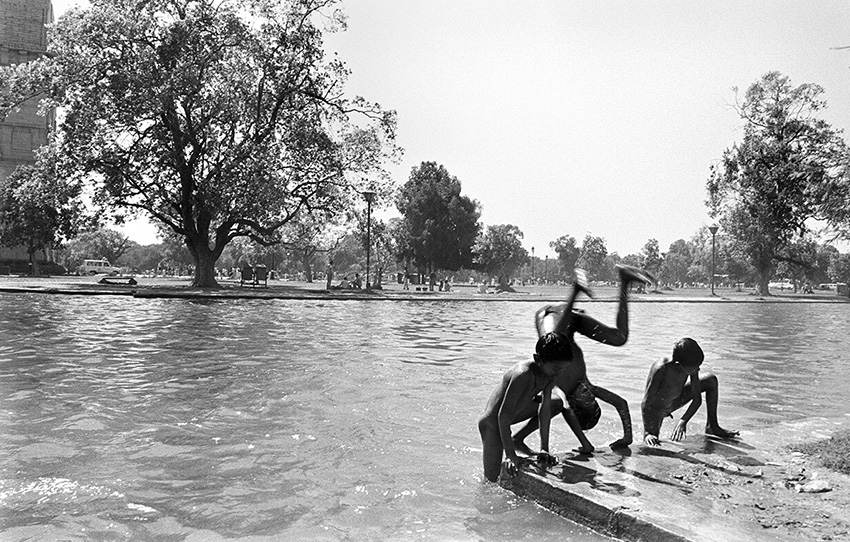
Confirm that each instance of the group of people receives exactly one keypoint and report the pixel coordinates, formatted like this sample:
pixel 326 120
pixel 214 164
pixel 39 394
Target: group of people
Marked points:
pixel 555 382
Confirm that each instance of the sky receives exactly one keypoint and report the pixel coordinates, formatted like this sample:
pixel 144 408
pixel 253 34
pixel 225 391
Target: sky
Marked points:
pixel 581 117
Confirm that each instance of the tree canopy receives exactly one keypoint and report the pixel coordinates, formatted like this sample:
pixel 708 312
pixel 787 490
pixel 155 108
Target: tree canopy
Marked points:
pixel 38 208
pixel 439 224
pixel 217 118
pixel 769 185
pixel 499 251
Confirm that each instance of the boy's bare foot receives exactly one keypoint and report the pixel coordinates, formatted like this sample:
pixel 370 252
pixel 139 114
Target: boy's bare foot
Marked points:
pixel 629 273
pixel 718 431
pixel 620 443
pixel 581 282
pixel 521 448
pixel 587 450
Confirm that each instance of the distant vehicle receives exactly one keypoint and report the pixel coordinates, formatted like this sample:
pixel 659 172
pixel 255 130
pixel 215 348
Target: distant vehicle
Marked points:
pixel 98 267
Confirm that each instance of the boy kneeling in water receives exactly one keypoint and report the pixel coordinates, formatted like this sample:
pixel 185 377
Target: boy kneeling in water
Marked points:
pixel 513 401
pixel 666 392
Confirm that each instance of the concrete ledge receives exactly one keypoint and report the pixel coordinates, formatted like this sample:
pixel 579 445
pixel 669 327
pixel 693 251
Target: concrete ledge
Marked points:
pixel 601 514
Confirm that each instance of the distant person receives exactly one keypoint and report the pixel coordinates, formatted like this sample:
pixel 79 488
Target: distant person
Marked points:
pixel 357 282
pixel 330 273
pixel 583 411
pixel 667 391
pixel 513 401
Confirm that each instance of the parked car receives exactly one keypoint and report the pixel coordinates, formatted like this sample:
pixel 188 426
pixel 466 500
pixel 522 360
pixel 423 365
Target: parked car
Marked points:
pixel 98 267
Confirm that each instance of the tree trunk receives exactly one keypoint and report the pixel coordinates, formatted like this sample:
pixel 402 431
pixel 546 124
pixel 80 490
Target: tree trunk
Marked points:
pixel 33 262
pixel 762 284
pixel 204 264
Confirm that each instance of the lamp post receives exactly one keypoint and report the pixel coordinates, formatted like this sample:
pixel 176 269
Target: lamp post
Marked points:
pixel 370 196
pixel 546 271
pixel 713 230
pixel 532 264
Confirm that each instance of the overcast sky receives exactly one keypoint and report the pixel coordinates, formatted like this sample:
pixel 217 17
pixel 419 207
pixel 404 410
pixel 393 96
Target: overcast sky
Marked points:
pixel 593 117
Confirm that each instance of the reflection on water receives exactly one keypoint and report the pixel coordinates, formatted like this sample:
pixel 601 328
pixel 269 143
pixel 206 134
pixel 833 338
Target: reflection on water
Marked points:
pixel 125 418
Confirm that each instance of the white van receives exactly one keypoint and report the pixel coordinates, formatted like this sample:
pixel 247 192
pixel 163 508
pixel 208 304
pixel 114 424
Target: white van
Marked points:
pixel 98 267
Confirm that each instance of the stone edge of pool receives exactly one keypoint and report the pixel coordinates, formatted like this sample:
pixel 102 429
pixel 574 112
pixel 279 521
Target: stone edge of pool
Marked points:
pixel 317 294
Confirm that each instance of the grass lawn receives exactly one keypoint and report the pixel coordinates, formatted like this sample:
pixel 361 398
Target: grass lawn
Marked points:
pixel 833 453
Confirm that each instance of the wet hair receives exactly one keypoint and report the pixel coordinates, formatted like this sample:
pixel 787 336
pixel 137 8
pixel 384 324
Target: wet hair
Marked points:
pixel 687 352
pixel 554 347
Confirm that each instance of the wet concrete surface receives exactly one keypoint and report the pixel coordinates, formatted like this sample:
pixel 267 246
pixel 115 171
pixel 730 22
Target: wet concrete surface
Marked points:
pixel 702 489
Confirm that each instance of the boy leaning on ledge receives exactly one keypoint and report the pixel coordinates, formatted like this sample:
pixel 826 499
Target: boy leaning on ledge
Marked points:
pixel 671 384
pixel 513 401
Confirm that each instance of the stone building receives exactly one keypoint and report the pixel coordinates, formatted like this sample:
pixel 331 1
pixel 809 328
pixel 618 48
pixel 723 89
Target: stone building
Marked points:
pixel 23 37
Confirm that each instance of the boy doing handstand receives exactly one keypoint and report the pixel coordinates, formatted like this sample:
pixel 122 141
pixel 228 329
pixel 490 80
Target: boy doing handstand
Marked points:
pixel 583 411
pixel 667 391
pixel 513 401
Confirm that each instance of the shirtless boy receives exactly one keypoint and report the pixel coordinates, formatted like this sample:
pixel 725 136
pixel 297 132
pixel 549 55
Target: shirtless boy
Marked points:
pixel 667 391
pixel 579 394
pixel 513 401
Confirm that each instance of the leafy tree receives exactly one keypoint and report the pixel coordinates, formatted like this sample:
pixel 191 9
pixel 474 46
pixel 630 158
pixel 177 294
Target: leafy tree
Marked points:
pixel 839 268
pixel 592 257
pixel 38 209
pixel 142 258
pixel 772 182
pixel 677 261
pixel 568 252
pixel 499 252
pixel 219 119
pixel 101 243
pixel 440 225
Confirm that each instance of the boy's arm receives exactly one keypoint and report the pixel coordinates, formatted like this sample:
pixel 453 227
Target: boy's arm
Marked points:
pixel 652 414
pixel 519 386
pixel 622 409
pixel 586 447
pixel 696 400
pixel 544 416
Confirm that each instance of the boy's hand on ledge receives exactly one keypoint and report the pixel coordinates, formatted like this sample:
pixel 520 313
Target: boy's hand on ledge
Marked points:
pixel 509 468
pixel 545 458
pixel 651 440
pixel 679 431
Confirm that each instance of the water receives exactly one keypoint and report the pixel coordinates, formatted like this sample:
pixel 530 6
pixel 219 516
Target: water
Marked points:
pixel 126 418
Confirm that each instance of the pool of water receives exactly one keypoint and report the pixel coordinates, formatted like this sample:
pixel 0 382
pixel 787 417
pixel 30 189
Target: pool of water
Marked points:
pixel 126 418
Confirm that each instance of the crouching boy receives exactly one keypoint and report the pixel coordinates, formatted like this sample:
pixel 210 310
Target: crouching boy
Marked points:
pixel 671 384
pixel 513 401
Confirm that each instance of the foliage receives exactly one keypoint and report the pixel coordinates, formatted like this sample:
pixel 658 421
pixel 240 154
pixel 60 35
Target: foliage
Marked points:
pixel 592 257
pixel 568 252
pixel 440 225
pixel 839 268
pixel 677 260
pixel 38 209
pixel 773 181
pixel 218 119
pixel 651 256
pixel 100 243
pixel 499 251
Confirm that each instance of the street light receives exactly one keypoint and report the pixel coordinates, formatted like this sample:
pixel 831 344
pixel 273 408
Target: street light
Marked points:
pixel 532 264
pixel 713 230
pixel 546 271
pixel 370 196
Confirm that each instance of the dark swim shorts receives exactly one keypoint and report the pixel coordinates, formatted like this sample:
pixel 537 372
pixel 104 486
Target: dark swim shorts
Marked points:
pixel 584 404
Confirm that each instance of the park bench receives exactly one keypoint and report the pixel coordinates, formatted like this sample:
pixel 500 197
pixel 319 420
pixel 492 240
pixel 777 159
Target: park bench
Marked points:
pixel 254 276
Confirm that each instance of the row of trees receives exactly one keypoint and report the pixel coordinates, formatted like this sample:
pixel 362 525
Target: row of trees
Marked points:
pixel 226 123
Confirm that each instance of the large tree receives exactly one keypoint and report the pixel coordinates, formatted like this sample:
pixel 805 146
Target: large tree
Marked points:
pixel 439 224
pixel 592 257
pixel 568 252
pixel 38 209
pixel 499 252
pixel 677 261
pixel 770 184
pixel 100 243
pixel 217 118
